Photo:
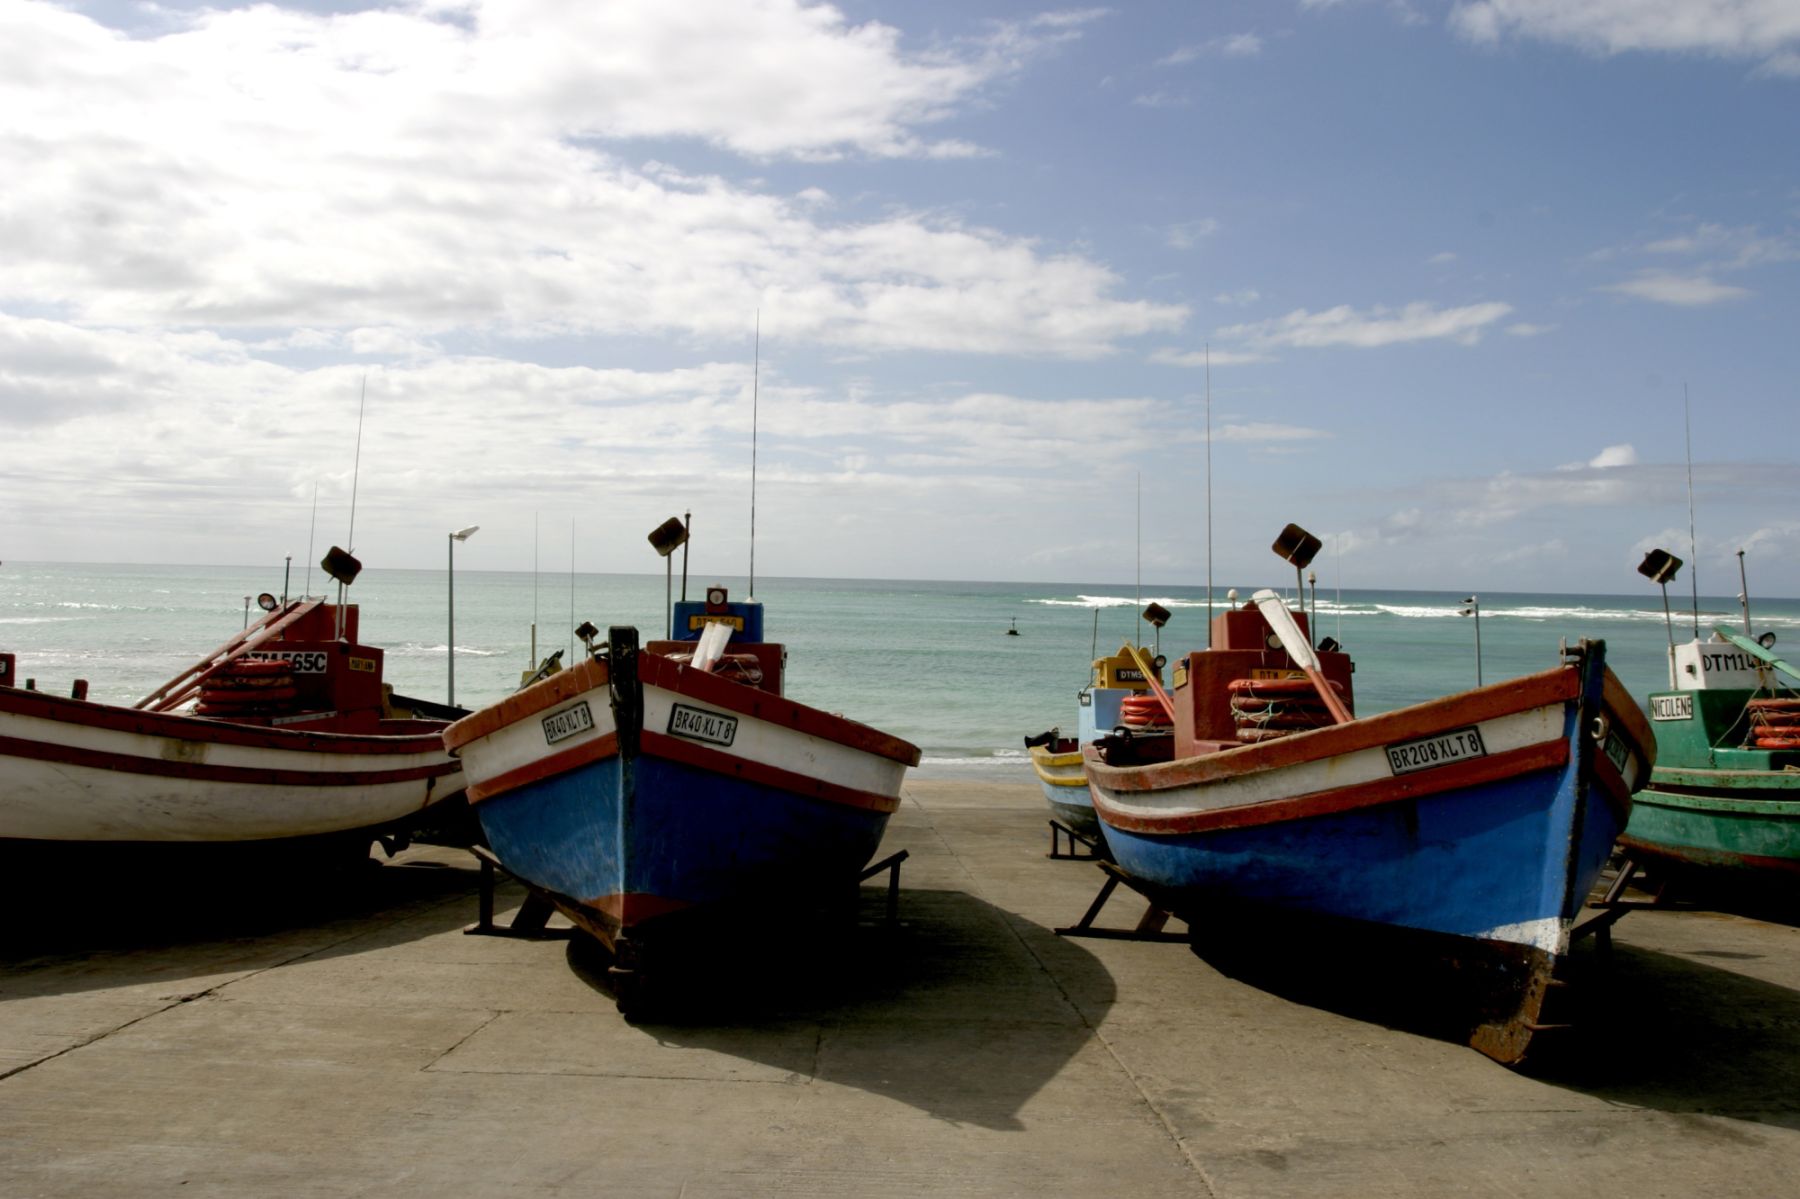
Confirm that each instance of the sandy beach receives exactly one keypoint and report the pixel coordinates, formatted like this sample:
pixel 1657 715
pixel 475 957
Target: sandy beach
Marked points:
pixel 208 1042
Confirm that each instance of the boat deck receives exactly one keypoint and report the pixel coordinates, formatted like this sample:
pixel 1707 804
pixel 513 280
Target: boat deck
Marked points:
pixel 163 1043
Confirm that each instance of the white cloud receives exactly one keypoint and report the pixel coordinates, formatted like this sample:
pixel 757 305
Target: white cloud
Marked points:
pixel 1614 455
pixel 1169 356
pixel 1767 30
pixel 263 168
pixel 1684 291
pixel 1238 299
pixel 1442 258
pixel 1188 234
pixel 1231 45
pixel 1344 326
pixel 1527 329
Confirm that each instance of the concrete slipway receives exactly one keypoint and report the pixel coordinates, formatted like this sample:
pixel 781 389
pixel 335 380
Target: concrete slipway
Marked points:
pixel 181 1039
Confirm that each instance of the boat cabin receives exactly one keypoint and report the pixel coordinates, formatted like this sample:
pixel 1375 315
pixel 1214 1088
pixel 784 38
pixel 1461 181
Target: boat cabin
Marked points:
pixel 747 659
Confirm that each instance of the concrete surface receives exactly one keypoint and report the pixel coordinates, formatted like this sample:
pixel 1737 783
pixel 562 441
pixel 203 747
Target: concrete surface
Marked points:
pixel 292 1036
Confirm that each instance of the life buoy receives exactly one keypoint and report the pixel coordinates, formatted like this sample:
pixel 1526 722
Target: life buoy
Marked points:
pixel 1143 711
pixel 1276 688
pixel 1775 705
pixel 1250 705
pixel 1778 742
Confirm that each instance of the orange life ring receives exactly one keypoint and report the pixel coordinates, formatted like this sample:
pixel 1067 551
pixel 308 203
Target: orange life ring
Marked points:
pixel 1274 688
pixel 1778 743
pixel 1142 710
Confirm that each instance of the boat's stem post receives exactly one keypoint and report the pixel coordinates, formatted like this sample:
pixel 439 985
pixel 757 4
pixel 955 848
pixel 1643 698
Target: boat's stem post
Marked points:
pixel 1744 594
pixel 669 597
pixel 286 573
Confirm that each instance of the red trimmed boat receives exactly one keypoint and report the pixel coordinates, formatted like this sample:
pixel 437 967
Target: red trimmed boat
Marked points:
pixel 1478 822
pixel 291 734
pixel 647 789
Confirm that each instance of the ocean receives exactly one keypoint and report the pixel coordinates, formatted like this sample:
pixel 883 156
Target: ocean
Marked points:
pixel 929 661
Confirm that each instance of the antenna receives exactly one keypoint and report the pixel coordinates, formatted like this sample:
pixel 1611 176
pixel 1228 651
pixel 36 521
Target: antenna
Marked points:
pixel 534 590
pixel 571 589
pixel 1209 522
pixel 310 536
pixel 356 470
pixel 1138 598
pixel 1744 594
pixel 755 386
pixel 1687 425
pixel 362 405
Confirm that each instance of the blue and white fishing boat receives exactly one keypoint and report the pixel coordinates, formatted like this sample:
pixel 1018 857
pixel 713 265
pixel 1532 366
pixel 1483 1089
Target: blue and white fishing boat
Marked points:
pixel 1117 696
pixel 1481 819
pixel 648 788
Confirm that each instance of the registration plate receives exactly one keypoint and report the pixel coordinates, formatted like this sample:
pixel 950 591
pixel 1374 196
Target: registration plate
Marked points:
pixel 697 724
pixel 560 726
pixel 1617 751
pixel 1458 745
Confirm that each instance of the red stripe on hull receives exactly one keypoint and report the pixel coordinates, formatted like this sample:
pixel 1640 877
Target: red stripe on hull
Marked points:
pixel 95 759
pixel 106 717
pixel 1544 756
pixel 586 675
pixel 1502 699
pixel 675 749
pixel 684 680
pixel 604 746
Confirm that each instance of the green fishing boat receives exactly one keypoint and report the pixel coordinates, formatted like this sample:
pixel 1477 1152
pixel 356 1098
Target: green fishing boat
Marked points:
pixel 1724 797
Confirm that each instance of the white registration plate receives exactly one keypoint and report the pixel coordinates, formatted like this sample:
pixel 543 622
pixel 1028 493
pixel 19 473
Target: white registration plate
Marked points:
pixel 698 724
pixel 560 726
pixel 1458 745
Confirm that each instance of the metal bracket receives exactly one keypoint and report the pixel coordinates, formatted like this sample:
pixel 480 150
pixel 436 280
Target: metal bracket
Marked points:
pixel 1058 830
pixel 1149 925
pixel 531 923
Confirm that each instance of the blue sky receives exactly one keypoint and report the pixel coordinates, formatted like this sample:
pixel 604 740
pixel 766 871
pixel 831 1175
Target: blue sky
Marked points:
pixel 1455 265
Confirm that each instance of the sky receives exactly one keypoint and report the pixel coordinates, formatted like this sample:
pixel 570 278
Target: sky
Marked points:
pixel 1481 292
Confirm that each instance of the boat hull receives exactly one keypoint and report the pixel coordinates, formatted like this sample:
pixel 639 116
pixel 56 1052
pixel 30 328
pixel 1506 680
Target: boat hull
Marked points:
pixel 1063 781
pixel 1501 847
pixel 1716 803
pixel 1736 823
pixel 87 772
pixel 681 793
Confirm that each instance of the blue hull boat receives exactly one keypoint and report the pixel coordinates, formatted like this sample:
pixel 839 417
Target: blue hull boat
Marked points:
pixel 644 791
pixel 1482 819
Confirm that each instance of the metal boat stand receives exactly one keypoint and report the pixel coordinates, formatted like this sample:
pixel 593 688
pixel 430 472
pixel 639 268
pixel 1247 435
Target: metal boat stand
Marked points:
pixel 1058 830
pixel 1150 926
pixel 531 923
pixel 891 864
pixel 1613 905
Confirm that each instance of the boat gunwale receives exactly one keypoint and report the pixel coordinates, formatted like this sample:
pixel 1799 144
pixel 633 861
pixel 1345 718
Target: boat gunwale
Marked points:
pixel 112 718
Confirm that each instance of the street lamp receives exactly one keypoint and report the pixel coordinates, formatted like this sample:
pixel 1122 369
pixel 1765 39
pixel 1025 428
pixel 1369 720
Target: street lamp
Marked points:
pixel 1473 608
pixel 459 535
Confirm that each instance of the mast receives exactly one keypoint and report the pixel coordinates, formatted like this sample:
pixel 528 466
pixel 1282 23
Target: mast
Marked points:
pixel 755 384
pixel 1687 425
pixel 1209 518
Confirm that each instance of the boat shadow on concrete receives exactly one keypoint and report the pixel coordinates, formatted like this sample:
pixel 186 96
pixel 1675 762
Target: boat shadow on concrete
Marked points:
pixel 1685 1033
pixel 952 1009
pixel 1678 1032
pixel 89 918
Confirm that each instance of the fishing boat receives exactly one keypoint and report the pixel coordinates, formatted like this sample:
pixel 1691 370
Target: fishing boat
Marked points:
pixel 1723 803
pixel 1117 695
pixel 652 791
pixel 285 732
pixel 1475 824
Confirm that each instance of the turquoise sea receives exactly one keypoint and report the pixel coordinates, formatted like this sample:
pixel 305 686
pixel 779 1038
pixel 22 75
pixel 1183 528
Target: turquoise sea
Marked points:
pixel 928 661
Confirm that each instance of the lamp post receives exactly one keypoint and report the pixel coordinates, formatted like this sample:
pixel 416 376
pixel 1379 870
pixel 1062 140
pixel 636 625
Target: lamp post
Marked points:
pixel 1473 608
pixel 459 535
